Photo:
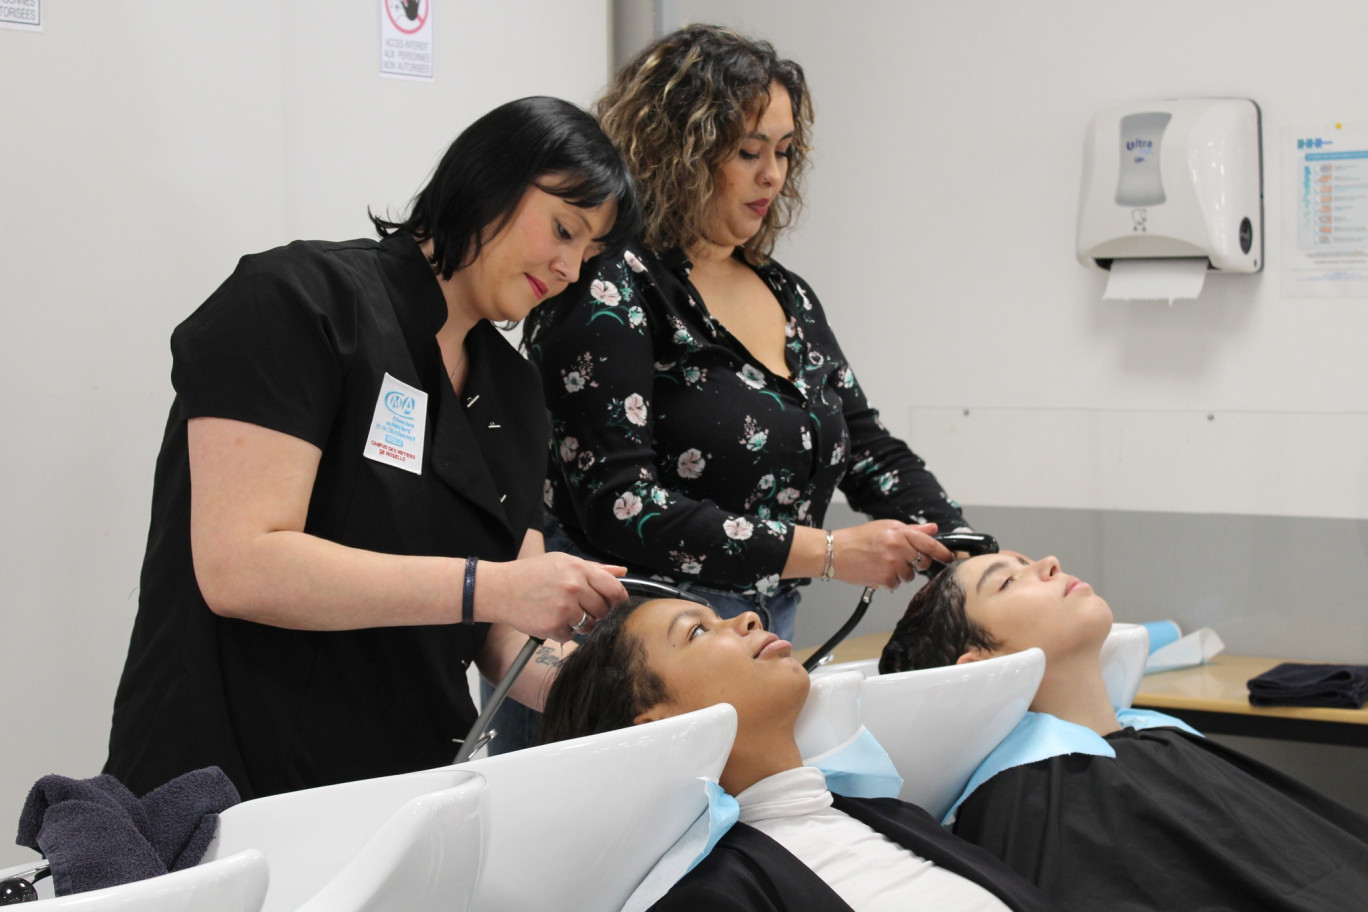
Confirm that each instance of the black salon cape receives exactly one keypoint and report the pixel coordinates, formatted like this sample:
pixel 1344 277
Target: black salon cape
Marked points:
pixel 299 340
pixel 1173 822
pixel 748 871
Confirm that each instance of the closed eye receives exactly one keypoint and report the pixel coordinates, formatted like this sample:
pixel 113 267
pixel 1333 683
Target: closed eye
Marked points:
pixel 562 232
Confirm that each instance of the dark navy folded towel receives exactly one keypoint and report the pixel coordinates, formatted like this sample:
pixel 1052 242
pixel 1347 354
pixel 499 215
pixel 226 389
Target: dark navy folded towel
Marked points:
pixel 182 815
pixel 96 834
pixel 1299 684
pixel 90 830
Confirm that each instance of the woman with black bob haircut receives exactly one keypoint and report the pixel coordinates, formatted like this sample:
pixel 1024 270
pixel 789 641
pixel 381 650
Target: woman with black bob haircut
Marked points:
pixel 347 503
pixel 543 142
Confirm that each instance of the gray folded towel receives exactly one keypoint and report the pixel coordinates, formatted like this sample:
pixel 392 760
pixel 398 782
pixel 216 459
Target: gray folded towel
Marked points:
pixel 96 834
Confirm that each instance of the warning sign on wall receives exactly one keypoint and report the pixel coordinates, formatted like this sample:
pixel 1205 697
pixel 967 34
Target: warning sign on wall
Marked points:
pixel 405 39
pixel 22 14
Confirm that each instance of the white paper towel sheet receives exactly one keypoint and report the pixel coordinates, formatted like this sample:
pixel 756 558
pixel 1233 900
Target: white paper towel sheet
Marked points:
pixel 1197 648
pixel 1156 280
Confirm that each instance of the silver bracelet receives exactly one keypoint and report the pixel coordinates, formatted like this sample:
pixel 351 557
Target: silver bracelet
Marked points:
pixel 829 571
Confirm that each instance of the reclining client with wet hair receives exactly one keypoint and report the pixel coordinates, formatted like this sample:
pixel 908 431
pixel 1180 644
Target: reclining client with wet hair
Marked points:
pixel 1119 809
pixel 797 846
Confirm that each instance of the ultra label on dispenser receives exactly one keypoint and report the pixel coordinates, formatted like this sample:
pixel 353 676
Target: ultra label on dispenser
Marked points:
pixel 1140 182
pixel 397 428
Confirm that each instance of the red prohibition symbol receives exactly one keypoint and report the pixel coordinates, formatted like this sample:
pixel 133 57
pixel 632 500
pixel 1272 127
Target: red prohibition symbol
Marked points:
pixel 408 16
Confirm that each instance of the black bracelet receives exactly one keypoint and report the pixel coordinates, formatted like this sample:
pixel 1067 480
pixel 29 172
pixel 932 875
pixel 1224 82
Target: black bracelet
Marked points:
pixel 468 598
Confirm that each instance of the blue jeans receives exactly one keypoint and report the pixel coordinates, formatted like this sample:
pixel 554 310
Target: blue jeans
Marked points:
pixel 519 727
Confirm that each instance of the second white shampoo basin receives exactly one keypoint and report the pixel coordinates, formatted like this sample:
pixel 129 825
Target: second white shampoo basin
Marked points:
pixel 399 842
pixel 938 724
pixel 1124 654
pixel 831 715
pixel 579 823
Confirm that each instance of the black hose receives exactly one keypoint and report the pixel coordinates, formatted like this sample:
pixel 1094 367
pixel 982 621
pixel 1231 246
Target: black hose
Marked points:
pixel 825 649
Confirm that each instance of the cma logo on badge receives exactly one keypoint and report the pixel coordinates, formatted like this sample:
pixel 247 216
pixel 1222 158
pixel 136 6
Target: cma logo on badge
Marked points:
pixel 400 403
pixel 1133 144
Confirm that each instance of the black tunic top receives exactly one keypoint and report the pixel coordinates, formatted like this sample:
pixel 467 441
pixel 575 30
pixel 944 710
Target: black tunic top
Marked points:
pixel 299 340
pixel 748 871
pixel 679 454
pixel 1173 822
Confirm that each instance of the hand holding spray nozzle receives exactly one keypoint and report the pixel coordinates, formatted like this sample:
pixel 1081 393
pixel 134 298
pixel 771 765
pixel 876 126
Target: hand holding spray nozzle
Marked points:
pixel 967 544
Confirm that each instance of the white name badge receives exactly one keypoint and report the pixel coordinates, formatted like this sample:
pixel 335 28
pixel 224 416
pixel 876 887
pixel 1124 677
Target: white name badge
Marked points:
pixel 396 431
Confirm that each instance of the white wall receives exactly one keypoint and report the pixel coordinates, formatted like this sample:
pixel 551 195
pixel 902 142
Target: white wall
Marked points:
pixel 949 141
pixel 145 148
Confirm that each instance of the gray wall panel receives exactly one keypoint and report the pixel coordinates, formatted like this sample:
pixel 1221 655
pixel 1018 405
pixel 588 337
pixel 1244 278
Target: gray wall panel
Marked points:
pixel 1275 586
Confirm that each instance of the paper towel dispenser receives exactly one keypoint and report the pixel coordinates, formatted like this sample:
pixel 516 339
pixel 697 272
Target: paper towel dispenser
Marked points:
pixel 1174 178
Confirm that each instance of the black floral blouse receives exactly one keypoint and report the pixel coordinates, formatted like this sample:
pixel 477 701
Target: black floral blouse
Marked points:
pixel 676 453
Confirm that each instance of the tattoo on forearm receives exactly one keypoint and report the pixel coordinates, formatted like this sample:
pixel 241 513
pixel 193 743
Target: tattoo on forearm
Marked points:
pixel 547 655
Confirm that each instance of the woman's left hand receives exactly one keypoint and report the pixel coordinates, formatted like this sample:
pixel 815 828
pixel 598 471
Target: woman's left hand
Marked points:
pixel 882 553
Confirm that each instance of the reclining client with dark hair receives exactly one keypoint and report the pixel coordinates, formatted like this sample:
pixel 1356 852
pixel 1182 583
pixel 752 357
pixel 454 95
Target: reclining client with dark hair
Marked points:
pixel 797 846
pixel 1119 810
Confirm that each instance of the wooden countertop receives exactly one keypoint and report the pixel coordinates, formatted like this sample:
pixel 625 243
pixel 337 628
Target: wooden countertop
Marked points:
pixel 1219 686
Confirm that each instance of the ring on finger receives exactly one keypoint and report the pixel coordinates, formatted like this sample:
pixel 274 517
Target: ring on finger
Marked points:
pixel 916 561
pixel 580 627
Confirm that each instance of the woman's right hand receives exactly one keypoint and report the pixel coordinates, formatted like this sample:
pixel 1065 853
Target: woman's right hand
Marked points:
pixel 547 594
pixel 885 552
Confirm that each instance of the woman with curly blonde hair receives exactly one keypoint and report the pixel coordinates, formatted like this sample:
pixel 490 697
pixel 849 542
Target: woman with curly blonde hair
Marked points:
pixel 679 111
pixel 703 412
